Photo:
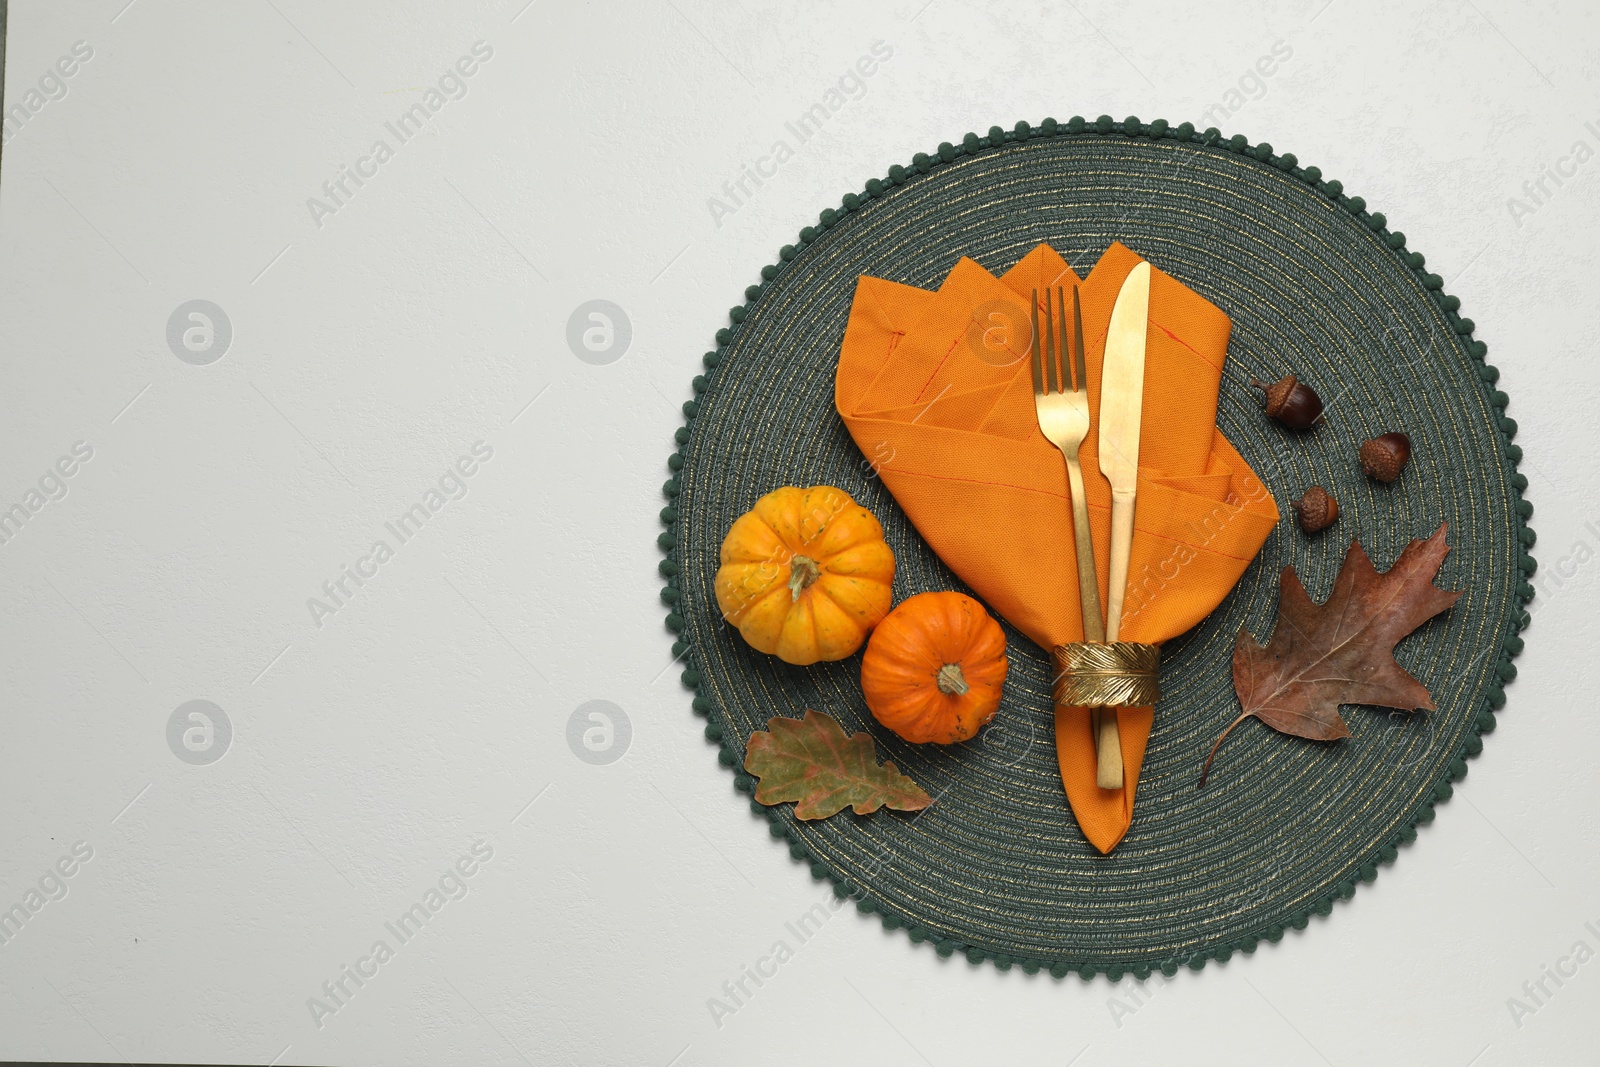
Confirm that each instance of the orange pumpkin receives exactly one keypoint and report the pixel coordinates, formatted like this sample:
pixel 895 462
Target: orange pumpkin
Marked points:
pixel 805 574
pixel 934 668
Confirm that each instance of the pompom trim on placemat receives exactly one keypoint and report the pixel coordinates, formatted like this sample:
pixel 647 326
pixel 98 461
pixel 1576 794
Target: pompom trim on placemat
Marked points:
pixel 1132 128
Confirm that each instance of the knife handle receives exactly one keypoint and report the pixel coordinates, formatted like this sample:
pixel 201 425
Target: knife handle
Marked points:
pixel 1121 550
pixel 1108 739
pixel 1107 748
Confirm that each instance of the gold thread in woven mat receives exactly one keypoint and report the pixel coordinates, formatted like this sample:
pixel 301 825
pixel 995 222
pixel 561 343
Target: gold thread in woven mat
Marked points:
pixel 1121 674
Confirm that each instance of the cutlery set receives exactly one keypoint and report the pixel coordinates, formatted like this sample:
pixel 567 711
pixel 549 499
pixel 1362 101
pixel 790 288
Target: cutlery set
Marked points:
pixel 1062 405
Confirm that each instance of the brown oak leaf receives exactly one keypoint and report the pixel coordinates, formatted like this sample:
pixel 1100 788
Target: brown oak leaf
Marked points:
pixel 811 761
pixel 1342 651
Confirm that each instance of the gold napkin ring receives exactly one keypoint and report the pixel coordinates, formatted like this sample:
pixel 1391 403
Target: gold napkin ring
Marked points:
pixel 1121 674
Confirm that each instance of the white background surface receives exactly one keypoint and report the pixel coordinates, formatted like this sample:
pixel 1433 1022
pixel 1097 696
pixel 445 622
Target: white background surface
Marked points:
pixel 428 312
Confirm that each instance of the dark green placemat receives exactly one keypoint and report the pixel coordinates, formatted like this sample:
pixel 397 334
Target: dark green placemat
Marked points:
pixel 1315 285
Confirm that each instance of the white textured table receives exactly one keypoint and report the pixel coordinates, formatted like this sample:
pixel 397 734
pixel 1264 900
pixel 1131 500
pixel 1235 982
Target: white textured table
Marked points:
pixel 389 327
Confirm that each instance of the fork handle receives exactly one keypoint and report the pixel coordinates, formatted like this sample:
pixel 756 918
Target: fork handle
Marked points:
pixel 1103 727
pixel 1088 581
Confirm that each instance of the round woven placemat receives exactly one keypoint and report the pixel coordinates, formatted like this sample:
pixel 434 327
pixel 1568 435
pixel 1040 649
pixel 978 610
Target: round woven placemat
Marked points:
pixel 1316 285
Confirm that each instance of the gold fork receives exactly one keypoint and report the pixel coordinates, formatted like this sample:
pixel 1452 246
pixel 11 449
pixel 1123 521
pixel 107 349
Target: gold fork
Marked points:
pixel 1062 405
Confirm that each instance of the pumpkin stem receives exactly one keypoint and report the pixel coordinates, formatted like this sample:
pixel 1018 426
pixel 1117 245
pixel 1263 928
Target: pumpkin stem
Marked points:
pixel 803 570
pixel 951 681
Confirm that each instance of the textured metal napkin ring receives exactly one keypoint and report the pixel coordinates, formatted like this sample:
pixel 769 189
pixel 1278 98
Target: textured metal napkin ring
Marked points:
pixel 1117 675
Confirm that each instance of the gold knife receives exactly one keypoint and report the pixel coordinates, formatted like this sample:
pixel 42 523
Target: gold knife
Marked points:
pixel 1121 407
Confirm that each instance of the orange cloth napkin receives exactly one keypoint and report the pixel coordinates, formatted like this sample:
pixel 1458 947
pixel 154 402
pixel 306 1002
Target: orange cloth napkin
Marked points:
pixel 936 390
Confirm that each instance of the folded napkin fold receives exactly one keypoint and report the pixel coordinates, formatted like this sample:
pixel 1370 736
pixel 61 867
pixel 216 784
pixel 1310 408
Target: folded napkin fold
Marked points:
pixel 936 390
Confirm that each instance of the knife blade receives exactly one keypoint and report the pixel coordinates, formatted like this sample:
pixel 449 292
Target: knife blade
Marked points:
pixel 1121 413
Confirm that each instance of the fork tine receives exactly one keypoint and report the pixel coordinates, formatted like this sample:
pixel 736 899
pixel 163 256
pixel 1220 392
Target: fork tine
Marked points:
pixel 1061 344
pixel 1034 355
pixel 1049 344
pixel 1077 337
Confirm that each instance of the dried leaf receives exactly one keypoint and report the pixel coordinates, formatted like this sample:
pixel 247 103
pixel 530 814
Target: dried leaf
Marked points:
pixel 1340 652
pixel 811 761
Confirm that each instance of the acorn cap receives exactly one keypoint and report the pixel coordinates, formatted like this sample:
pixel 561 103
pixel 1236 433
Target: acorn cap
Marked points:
pixel 1385 456
pixel 1278 393
pixel 1317 510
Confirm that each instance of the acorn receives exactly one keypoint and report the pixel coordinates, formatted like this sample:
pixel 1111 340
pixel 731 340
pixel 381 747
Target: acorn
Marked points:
pixel 1291 401
pixel 1317 509
pixel 1384 457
